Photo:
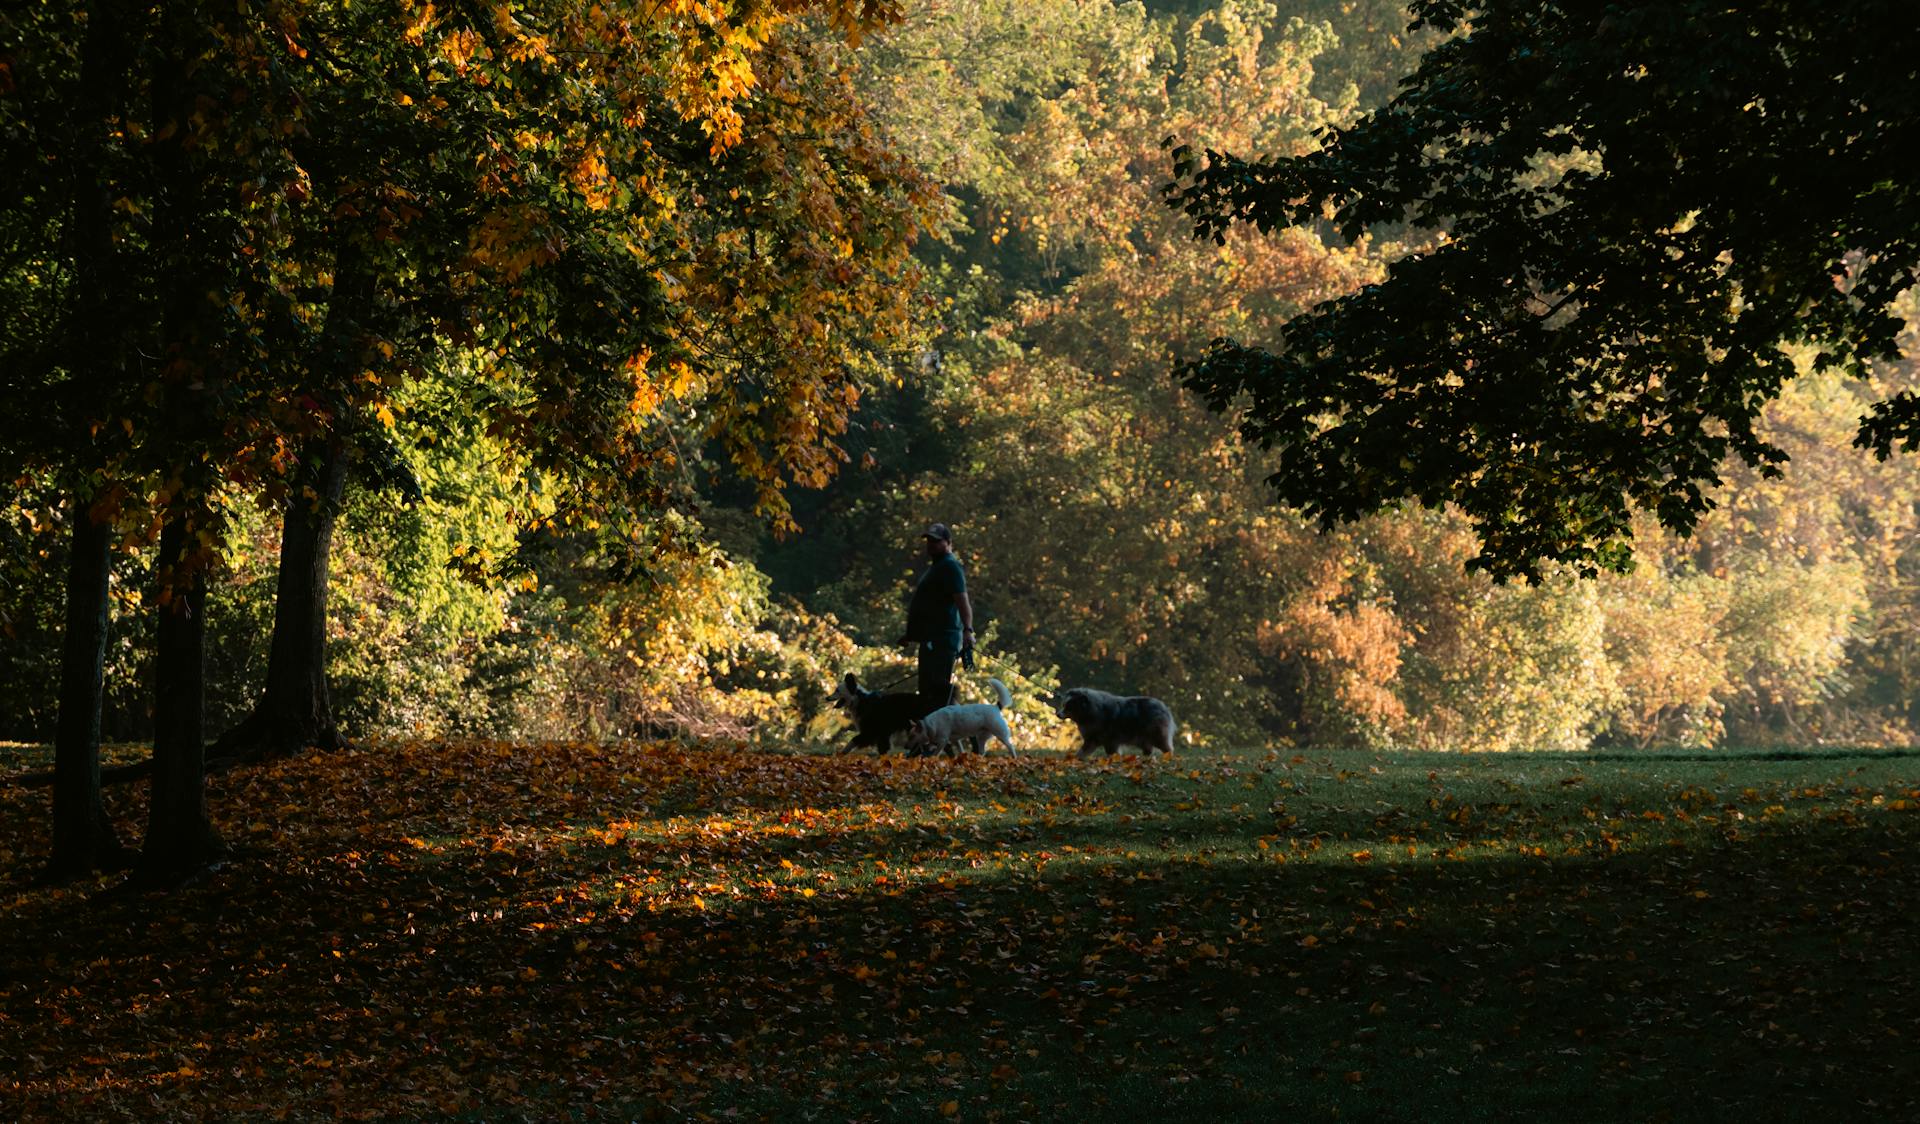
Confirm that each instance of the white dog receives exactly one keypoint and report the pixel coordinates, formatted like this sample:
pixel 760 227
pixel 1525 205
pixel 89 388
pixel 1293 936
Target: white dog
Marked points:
pixel 966 720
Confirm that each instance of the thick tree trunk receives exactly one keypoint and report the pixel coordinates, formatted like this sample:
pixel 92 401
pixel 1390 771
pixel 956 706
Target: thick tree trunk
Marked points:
pixel 98 348
pixel 83 835
pixel 180 838
pixel 295 710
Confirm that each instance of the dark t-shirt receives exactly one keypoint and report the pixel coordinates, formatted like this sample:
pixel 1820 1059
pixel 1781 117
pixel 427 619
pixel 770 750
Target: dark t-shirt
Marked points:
pixel 932 615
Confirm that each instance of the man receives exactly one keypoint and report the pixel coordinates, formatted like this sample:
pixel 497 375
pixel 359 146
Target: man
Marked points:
pixel 939 617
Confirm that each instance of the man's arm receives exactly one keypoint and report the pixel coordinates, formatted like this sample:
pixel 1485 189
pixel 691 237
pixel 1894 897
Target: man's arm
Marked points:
pixel 965 606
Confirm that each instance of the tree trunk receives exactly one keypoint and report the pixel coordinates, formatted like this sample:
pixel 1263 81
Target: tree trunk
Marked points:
pixel 180 838
pixel 98 348
pixel 83 835
pixel 295 710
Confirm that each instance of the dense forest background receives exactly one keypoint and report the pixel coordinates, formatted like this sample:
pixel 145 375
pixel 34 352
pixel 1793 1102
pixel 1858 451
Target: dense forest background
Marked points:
pixel 1117 533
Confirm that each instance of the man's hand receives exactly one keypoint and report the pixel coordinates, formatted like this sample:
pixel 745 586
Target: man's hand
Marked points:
pixel 966 657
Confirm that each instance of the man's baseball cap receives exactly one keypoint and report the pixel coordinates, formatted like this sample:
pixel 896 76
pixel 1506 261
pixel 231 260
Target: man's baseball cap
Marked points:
pixel 937 531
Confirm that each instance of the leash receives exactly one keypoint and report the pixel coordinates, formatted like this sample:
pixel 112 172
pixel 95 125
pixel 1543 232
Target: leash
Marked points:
pixel 965 660
pixel 902 679
pixel 987 668
pixel 968 660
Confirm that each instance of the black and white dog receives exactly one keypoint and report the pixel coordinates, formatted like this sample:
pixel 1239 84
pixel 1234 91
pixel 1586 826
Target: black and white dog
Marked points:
pixel 878 715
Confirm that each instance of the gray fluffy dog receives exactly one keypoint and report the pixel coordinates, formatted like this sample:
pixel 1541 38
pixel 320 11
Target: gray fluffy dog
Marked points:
pixel 1113 720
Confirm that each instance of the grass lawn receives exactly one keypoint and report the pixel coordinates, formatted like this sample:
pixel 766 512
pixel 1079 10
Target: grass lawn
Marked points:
pixel 509 931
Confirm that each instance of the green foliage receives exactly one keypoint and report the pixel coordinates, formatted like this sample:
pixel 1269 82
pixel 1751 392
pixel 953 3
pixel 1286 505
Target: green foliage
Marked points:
pixel 1113 529
pixel 1669 657
pixel 1117 533
pixel 30 626
pixel 1531 672
pixel 609 310
pixel 1629 215
pixel 605 237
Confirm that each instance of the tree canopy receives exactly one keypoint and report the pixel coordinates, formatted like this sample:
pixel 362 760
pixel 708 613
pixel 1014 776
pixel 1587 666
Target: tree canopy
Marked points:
pixel 242 230
pixel 616 358
pixel 1625 216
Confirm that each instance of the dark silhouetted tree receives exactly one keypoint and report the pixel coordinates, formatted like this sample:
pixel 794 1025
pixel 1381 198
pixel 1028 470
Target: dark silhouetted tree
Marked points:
pixel 1625 213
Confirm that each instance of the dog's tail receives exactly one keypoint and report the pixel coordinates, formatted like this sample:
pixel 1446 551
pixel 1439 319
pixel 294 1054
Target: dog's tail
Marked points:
pixel 1006 696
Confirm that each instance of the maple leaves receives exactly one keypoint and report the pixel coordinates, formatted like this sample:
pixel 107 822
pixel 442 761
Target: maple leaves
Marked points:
pixel 336 201
pixel 567 928
pixel 518 177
